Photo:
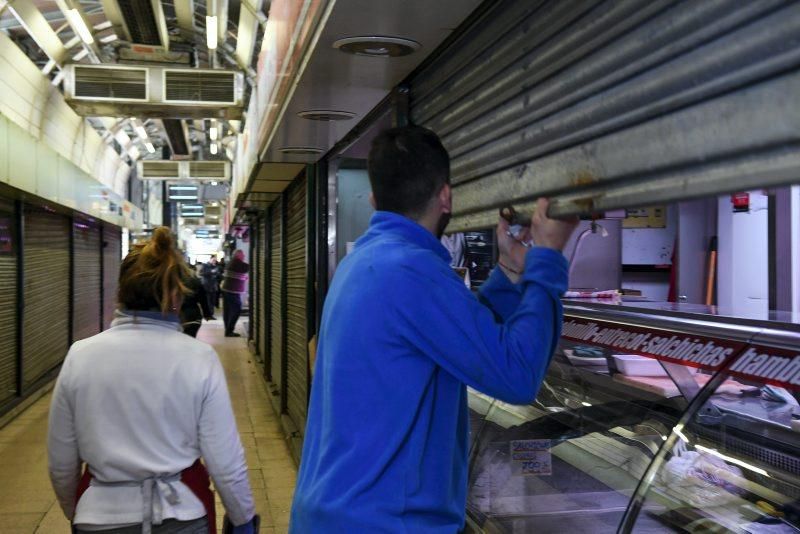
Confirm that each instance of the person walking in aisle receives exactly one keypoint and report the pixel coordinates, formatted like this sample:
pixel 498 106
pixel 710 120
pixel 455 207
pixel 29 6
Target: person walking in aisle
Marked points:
pixel 234 285
pixel 208 274
pixel 386 443
pixel 141 404
pixel 195 306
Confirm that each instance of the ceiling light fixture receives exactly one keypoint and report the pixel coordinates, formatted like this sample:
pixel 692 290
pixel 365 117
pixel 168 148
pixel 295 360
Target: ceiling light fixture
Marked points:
pixel 326 115
pixel 150 148
pixel 109 38
pixel 300 150
pixel 211 32
pixel 80 55
pixel 140 131
pixel 183 197
pixel 213 183
pixel 214 148
pixel 77 23
pixel 377 46
pixel 213 132
pixel 183 187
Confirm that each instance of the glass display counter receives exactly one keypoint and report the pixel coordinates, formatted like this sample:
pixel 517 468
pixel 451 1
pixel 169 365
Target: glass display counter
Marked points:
pixel 648 421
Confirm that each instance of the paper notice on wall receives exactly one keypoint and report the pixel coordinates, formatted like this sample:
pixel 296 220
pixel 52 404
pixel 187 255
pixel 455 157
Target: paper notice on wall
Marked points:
pixel 531 457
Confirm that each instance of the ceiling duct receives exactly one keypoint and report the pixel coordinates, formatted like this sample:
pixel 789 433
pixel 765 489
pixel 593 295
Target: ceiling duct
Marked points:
pixel 213 171
pixel 154 92
pixel 140 21
pixel 178 137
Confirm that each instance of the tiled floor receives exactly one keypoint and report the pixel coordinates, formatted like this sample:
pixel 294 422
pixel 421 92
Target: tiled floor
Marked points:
pixel 27 503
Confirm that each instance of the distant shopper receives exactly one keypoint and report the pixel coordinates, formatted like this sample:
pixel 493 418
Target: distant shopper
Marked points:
pixel 385 447
pixel 220 275
pixel 195 306
pixel 234 285
pixel 141 404
pixel 208 274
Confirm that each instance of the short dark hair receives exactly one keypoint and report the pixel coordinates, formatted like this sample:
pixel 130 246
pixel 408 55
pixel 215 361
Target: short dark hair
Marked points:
pixel 407 166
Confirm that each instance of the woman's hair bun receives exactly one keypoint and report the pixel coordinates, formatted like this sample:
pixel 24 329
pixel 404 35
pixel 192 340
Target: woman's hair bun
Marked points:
pixel 162 239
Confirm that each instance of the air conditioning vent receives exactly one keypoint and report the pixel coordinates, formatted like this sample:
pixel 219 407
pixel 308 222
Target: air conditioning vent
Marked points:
pixel 199 86
pixel 110 83
pixel 160 170
pixel 212 171
pixel 208 169
pixel 165 93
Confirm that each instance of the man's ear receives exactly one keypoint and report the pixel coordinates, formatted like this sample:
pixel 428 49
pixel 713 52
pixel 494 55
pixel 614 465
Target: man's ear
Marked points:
pixel 446 199
pixel 372 201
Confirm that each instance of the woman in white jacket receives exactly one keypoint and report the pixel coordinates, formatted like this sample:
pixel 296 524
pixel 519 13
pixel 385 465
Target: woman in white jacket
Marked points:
pixel 139 405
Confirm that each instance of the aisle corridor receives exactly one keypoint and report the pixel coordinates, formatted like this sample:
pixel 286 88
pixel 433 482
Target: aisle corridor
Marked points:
pixel 28 505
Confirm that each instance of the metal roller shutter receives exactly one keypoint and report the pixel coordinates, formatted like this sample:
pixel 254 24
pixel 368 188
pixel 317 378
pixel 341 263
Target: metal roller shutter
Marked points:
pixel 296 337
pixel 261 279
pixel 611 104
pixel 276 295
pixel 8 303
pixel 86 279
pixel 112 258
pixel 46 294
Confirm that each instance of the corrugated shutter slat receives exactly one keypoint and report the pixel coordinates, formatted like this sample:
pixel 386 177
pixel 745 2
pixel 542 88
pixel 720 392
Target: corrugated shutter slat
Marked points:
pixel 46 294
pixel 86 280
pixel 261 307
pixel 112 258
pixel 8 307
pixel 276 290
pixel 605 105
pixel 296 335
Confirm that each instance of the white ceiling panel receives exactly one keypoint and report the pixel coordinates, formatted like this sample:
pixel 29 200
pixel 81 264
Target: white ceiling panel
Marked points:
pixel 338 81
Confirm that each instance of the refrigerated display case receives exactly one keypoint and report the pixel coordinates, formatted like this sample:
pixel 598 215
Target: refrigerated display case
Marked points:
pixel 708 440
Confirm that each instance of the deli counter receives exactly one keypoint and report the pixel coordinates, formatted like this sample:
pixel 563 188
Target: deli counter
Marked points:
pixel 666 418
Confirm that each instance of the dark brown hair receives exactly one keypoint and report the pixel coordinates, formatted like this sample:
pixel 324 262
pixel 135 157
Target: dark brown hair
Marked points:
pixel 407 167
pixel 151 275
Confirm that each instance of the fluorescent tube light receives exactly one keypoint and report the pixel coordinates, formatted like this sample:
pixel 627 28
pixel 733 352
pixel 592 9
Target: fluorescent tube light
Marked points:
pixel 183 187
pixel 211 32
pixel 141 132
pixel 214 149
pixel 77 23
pixel 149 146
pixel 183 197
pixel 213 132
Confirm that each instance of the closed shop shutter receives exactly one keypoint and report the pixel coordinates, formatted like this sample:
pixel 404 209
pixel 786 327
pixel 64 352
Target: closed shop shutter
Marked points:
pixel 86 279
pixel 296 337
pixel 46 293
pixel 609 104
pixel 8 303
pixel 112 258
pixel 276 295
pixel 261 275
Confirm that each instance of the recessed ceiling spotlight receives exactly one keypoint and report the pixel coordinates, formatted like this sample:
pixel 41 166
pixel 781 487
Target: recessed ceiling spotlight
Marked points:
pixel 300 150
pixel 326 115
pixel 377 46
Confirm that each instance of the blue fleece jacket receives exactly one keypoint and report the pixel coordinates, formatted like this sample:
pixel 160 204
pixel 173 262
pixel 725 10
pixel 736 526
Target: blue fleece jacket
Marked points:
pixel 386 441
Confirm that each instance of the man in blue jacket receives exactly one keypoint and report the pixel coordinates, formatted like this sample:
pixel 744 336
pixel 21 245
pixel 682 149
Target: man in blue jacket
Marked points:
pixel 386 442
